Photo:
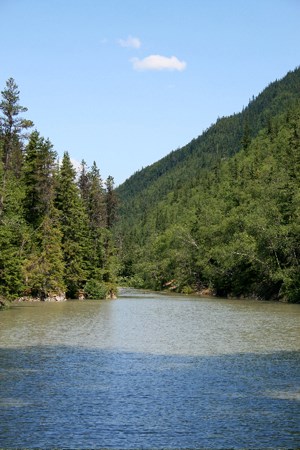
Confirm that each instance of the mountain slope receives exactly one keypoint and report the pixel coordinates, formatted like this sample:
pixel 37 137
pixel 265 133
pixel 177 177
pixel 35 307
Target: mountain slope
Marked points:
pixel 202 187
pixel 222 139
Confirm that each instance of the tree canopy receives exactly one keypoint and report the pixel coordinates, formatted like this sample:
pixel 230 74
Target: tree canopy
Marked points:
pixel 54 234
pixel 222 213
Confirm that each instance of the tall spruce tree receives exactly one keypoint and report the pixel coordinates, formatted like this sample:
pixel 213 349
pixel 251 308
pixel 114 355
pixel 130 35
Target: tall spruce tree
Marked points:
pixel 84 183
pixel 13 230
pixel 39 178
pixel 74 226
pixel 44 265
pixel 111 202
pixel 98 203
pixel 96 200
pixel 12 128
pixel 97 221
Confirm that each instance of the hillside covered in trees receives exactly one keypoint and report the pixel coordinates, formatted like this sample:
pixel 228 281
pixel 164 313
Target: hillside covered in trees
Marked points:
pixel 220 215
pixel 223 212
pixel 55 225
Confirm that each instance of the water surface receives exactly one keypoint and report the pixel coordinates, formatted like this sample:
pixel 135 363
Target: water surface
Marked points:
pixel 150 371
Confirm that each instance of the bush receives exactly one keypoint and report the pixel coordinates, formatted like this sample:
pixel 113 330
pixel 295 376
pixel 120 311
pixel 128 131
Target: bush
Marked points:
pixel 4 304
pixel 95 290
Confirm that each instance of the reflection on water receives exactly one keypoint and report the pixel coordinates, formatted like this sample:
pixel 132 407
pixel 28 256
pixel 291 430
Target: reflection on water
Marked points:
pixel 150 371
pixel 156 324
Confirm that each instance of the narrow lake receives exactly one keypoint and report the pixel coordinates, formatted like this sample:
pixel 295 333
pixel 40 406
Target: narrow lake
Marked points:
pixel 150 371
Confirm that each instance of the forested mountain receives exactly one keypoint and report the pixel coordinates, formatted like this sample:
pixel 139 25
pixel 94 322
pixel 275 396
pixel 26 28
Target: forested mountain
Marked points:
pixel 55 226
pixel 223 212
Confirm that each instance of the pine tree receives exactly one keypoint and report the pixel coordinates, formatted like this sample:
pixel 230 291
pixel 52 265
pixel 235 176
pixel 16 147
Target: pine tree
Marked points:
pixel 74 227
pixel 39 178
pixel 111 202
pixel 97 222
pixel 11 132
pixel 14 237
pixel 12 226
pixel 246 139
pixel 97 207
pixel 44 266
pixel 84 183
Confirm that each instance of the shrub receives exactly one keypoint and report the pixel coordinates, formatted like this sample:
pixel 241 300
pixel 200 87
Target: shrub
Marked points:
pixel 95 290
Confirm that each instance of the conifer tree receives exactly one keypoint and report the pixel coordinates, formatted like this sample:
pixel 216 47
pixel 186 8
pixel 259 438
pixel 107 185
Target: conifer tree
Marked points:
pixel 44 266
pixel 111 202
pixel 97 203
pixel 97 207
pixel 39 178
pixel 12 127
pixel 74 227
pixel 246 139
pixel 14 236
pixel 13 230
pixel 97 222
pixel 84 183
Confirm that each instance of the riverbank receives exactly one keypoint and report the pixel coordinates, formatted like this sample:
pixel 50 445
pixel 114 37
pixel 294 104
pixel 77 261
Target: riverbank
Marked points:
pixel 30 299
pixel 4 304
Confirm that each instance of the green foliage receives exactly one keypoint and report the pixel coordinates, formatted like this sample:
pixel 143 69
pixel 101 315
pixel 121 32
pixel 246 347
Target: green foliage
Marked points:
pixel 94 200
pixel 39 178
pixel 44 266
pixel 14 236
pixel 95 290
pixel 12 126
pixel 111 202
pixel 223 212
pixel 12 241
pixel 54 232
pixel 74 228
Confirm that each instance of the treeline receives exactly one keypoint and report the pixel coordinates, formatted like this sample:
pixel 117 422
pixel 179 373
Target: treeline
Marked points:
pixel 223 213
pixel 184 167
pixel 55 224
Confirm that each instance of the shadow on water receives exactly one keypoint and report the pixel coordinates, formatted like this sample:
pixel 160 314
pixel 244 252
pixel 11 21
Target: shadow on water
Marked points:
pixel 66 397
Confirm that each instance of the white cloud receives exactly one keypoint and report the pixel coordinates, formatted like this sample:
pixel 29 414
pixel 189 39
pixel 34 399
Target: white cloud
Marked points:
pixel 131 42
pixel 158 62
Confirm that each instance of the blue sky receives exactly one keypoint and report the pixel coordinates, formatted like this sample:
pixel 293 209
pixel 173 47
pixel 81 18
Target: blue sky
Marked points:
pixel 124 82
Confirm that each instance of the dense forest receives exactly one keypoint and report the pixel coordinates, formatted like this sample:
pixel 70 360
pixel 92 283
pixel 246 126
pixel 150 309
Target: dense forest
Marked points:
pixel 55 224
pixel 222 214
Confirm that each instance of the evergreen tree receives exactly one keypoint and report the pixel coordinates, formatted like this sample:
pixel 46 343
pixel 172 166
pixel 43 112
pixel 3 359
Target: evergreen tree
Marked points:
pixel 74 227
pixel 14 238
pixel 97 222
pixel 44 266
pixel 39 179
pixel 53 230
pixel 14 234
pixel 246 139
pixel 97 207
pixel 111 202
pixel 12 127
pixel 84 183
pixel 228 223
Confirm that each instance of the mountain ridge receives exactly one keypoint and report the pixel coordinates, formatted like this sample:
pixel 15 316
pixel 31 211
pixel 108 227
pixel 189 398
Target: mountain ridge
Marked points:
pixel 223 212
pixel 278 94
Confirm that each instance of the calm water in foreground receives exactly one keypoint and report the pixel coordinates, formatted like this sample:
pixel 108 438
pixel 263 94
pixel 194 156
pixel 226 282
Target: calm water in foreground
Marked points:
pixel 150 371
